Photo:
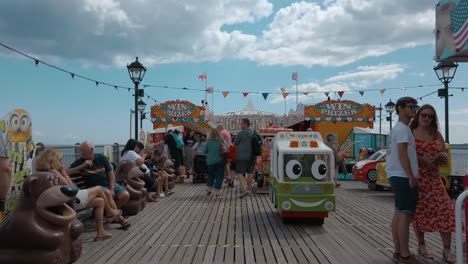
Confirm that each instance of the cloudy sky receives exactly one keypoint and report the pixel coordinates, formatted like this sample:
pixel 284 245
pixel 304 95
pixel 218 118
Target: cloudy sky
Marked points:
pixel 243 46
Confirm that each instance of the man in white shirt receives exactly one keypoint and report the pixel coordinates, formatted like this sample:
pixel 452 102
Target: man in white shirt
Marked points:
pixel 402 170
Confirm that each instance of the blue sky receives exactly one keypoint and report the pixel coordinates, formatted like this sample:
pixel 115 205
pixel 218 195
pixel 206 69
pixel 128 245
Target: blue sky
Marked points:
pixel 243 45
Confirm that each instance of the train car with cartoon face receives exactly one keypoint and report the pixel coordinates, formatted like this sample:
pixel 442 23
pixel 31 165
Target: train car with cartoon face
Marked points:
pixel 302 169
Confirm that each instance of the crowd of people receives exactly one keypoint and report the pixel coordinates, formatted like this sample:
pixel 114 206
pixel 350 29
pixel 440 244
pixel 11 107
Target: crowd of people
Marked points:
pixel 416 149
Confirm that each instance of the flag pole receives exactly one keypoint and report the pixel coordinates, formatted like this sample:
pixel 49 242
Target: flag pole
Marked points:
pixel 206 87
pixel 297 92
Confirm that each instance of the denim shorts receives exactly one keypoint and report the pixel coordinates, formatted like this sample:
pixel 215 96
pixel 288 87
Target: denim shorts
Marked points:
pixel 406 198
pixel 118 189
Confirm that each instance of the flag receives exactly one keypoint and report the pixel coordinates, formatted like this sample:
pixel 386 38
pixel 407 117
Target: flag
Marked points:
pixel 202 76
pixel 245 94
pixel 282 89
pixel 382 91
pixel 294 76
pixel 285 95
pixel 209 90
pixel 305 93
pixel 459 19
pixel 225 94
pixel 340 93
pixel 265 95
pixel 327 93
pixel 361 92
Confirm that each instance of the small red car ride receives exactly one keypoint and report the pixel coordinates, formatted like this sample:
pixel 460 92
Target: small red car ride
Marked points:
pixel 365 169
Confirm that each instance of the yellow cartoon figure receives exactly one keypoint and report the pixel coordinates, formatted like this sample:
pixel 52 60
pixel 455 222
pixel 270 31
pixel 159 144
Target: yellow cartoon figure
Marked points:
pixel 19 130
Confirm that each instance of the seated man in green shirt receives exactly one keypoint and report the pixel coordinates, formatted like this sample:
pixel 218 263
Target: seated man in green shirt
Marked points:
pixel 97 171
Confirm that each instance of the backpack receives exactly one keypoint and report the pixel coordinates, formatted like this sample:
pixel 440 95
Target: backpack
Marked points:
pixel 257 144
pixel 178 141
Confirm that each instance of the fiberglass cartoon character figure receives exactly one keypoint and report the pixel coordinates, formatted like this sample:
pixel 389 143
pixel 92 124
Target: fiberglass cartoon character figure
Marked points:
pixel 19 132
pixel 302 182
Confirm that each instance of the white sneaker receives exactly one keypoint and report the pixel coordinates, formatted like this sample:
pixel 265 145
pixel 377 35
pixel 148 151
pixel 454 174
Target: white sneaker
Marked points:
pixel 162 195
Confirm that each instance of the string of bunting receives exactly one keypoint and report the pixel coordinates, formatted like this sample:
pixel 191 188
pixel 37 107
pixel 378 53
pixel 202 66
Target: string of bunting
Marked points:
pixel 211 89
pixel 72 74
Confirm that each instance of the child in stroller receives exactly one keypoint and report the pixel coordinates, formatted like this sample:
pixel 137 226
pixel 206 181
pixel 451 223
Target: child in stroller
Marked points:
pixel 199 162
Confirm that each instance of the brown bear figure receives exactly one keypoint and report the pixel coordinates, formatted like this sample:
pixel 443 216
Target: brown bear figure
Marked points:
pixel 129 173
pixel 42 228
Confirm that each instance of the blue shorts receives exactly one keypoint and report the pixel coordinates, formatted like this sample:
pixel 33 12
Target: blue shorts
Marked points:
pixel 118 189
pixel 406 198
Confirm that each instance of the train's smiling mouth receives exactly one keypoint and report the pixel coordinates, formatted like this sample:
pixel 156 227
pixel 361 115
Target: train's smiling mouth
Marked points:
pixel 305 204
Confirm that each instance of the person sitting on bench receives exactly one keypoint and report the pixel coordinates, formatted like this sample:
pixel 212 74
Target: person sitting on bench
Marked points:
pixel 50 160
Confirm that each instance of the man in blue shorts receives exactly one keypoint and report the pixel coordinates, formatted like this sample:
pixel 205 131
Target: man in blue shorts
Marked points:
pixel 97 171
pixel 402 171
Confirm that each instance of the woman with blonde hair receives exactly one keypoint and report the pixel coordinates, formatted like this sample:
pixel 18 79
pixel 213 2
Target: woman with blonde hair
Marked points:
pixel 215 162
pixel 50 160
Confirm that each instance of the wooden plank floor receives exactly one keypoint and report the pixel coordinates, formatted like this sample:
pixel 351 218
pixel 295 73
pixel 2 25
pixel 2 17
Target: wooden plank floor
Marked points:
pixel 190 227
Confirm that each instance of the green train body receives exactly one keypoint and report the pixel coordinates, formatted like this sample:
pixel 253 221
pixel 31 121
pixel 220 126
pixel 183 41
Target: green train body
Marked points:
pixel 302 169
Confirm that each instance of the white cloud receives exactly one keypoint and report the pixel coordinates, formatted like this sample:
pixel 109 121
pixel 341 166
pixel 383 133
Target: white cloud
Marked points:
pixel 365 76
pixel 165 31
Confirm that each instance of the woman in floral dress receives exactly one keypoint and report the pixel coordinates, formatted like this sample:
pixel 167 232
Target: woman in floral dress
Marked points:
pixel 435 211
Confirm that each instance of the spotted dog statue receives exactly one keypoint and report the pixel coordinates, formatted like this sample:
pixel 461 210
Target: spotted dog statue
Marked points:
pixel 42 228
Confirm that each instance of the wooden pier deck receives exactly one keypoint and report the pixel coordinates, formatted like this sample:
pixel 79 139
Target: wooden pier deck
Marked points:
pixel 190 227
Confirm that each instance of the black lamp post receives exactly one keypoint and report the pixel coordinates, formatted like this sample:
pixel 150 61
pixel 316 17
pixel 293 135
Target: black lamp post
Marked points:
pixel 141 108
pixel 445 72
pixel 137 71
pixel 390 107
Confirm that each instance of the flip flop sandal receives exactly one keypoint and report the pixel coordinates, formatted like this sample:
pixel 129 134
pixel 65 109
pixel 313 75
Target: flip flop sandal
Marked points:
pixel 113 218
pixel 124 224
pixel 102 238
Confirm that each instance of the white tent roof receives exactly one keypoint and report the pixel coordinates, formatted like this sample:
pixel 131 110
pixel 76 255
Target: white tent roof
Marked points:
pixel 164 130
pixel 249 109
pixel 361 130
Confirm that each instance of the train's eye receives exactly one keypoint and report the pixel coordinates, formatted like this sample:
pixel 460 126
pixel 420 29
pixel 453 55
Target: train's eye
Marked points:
pixel 25 122
pixel 319 170
pixel 293 169
pixel 14 123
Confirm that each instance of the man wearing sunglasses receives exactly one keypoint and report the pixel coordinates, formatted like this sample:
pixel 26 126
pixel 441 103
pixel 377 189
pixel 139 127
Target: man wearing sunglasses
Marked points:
pixel 402 170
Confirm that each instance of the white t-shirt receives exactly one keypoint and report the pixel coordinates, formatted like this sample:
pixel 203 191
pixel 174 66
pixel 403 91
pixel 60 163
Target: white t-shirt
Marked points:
pixel 401 133
pixel 133 156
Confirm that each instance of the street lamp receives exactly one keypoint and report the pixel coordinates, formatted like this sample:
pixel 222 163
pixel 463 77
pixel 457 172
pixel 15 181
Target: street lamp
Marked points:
pixel 137 71
pixel 445 72
pixel 390 107
pixel 141 108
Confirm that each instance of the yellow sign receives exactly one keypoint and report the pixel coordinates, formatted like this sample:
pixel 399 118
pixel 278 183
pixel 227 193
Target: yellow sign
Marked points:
pixel 337 110
pixel 176 111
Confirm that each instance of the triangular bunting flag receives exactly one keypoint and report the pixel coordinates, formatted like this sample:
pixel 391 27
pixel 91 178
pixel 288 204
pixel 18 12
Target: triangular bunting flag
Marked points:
pixel 265 95
pixel 382 91
pixel 340 93
pixel 361 92
pixel 327 93
pixel 306 93
pixel 245 94
pixel 285 95
pixel 225 94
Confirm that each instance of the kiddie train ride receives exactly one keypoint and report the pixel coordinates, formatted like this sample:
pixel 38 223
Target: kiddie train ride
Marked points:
pixel 302 169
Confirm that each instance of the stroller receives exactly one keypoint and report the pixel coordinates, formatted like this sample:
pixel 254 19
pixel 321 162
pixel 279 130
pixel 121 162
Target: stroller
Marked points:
pixel 200 168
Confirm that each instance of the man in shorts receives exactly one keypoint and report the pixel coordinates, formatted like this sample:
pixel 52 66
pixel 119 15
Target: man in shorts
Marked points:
pixel 245 161
pixel 402 171
pixel 97 171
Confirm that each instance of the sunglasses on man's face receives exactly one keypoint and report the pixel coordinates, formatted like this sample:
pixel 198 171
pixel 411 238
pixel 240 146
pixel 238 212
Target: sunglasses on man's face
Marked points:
pixel 413 107
pixel 427 116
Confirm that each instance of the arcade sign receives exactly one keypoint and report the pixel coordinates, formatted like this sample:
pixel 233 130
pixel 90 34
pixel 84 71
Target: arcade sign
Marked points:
pixel 176 110
pixel 337 110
